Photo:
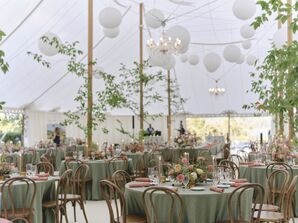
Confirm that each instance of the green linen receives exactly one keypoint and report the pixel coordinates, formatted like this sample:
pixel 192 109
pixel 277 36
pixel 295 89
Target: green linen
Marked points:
pixel 98 170
pixel 258 175
pixel 199 206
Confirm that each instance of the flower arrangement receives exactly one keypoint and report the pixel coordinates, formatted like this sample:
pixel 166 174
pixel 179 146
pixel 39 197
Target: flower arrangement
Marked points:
pixel 280 148
pixel 134 147
pixel 197 172
pixel 186 139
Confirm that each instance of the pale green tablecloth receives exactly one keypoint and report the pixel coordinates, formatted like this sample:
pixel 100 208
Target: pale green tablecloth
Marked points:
pixel 45 190
pixel 59 154
pixel 258 175
pixel 199 206
pixel 98 170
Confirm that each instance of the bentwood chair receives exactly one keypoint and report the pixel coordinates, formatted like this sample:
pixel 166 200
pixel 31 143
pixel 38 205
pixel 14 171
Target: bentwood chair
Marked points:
pixel 112 166
pixel 115 200
pixel 141 168
pixel 286 214
pixel 236 200
pixel 120 178
pixel 58 206
pixel 10 210
pixel 175 203
pixel 46 167
pixel 236 159
pixel 279 165
pixel 234 167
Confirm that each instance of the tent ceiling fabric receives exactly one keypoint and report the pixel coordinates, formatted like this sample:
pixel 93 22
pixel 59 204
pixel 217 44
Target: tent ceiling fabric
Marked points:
pixel 213 23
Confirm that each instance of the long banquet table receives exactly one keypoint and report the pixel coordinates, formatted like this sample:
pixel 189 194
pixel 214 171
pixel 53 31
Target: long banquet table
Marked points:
pixel 199 206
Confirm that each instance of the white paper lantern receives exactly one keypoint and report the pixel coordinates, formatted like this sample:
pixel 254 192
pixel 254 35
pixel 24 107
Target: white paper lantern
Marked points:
pixel 97 71
pixel 45 47
pixel 154 18
pixel 241 59
pixel 246 44
pixel 244 9
pixel 170 63
pixel 280 37
pixel 247 31
pixel 193 59
pixel 158 59
pixel 181 33
pixel 251 60
pixel 212 62
pixel 111 33
pixel 231 53
pixel 183 58
pixel 110 17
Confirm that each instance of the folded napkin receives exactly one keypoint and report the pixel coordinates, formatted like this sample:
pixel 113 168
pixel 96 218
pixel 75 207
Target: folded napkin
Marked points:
pixel 256 164
pixel 175 189
pixel 238 184
pixel 143 184
pixel 39 178
pixel 243 180
pixel 216 189
pixel 246 163
pixel 142 179
pixel 2 220
pixel 43 175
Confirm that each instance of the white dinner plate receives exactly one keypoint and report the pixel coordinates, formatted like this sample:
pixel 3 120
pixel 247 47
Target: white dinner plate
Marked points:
pixel 197 188
pixel 223 186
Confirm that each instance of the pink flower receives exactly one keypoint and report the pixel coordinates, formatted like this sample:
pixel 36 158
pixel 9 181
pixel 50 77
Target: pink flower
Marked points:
pixel 190 167
pixel 184 160
pixel 180 177
pixel 171 172
pixel 210 168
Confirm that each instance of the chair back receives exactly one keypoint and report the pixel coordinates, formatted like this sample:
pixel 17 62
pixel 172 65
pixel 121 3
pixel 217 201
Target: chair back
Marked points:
pixel 79 179
pixel 236 159
pixel 276 187
pixel 46 167
pixel 234 167
pixel 70 150
pixel 115 200
pixel 175 203
pixel 289 201
pixel 114 164
pixel 64 187
pixel 10 195
pixel 243 154
pixel 120 178
pixel 235 205
pixel 141 168
pixel 279 165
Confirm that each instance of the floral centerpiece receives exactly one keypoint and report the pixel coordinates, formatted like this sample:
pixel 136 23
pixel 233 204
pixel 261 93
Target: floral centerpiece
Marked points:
pixel 197 172
pixel 134 147
pixel 186 139
pixel 281 148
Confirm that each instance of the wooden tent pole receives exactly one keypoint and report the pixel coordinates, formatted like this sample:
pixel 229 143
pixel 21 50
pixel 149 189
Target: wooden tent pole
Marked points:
pixel 169 109
pixel 90 59
pixel 141 75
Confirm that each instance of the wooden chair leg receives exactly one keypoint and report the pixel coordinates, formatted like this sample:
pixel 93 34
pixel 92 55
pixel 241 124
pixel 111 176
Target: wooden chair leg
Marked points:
pixel 83 209
pixel 74 210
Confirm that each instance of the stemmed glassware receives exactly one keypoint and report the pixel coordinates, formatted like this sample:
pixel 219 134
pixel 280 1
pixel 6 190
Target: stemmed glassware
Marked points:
pixel 185 181
pixel 93 156
pixel 151 173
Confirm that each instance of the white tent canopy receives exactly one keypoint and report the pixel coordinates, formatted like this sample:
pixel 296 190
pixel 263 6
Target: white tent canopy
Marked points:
pixel 212 26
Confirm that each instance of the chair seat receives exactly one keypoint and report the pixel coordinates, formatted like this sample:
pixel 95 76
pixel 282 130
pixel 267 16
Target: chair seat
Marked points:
pixel 18 213
pixel 134 219
pixel 50 204
pixel 267 207
pixel 70 197
pixel 270 216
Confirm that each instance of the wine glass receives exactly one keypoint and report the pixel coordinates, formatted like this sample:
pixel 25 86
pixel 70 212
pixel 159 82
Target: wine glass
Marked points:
pixel 33 170
pixel 151 173
pixel 185 181
pixel 28 169
pixel 93 155
pixel 216 178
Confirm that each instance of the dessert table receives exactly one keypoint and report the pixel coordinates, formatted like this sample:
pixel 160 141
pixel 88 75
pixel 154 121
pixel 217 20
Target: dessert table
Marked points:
pixel 199 206
pixel 98 170
pixel 257 174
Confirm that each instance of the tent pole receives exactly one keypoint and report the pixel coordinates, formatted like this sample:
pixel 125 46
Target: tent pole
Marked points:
pixel 89 83
pixel 141 76
pixel 169 109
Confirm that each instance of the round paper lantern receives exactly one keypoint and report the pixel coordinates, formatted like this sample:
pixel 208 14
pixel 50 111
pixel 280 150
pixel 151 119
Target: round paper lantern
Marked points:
pixel 97 71
pixel 181 33
pixel 251 60
pixel 246 44
pixel 154 18
pixel 44 45
pixel 244 9
pixel 193 59
pixel 170 63
pixel 212 62
pixel 183 58
pixel 158 59
pixel 231 53
pixel 240 59
pixel 247 31
pixel 111 33
pixel 110 17
pixel 280 37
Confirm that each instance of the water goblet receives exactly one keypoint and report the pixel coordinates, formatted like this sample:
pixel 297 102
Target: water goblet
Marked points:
pixel 28 169
pixel 33 170
pixel 93 155
pixel 151 173
pixel 185 181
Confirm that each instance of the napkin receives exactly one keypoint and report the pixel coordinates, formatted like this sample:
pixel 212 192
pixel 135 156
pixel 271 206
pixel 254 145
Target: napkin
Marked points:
pixel 143 184
pixel 256 164
pixel 238 184
pixel 246 163
pixel 216 189
pixel 39 178
pixel 142 179
pixel 175 189
pixel 242 180
pixel 43 175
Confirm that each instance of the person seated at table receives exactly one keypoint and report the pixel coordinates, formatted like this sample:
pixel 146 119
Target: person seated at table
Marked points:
pixel 56 139
pixel 181 129
pixel 150 130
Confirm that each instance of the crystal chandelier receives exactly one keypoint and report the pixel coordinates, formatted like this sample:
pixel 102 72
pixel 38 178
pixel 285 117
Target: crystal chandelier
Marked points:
pixel 216 90
pixel 165 45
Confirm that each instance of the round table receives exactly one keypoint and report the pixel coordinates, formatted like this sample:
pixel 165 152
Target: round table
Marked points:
pixel 199 206
pixel 257 174
pixel 98 170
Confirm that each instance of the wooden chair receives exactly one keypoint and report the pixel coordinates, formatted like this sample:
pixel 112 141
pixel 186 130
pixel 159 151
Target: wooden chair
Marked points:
pixel 59 204
pixel 10 211
pixel 141 168
pixel 243 154
pixel 176 203
pixel 234 167
pixel 279 165
pixel 120 178
pixel 115 200
pixel 236 159
pixel 287 210
pixel 235 210
pixel 78 189
pixel 46 167
pixel 112 166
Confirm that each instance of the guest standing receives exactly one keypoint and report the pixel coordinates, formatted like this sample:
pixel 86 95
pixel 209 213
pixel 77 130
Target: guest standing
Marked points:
pixel 56 139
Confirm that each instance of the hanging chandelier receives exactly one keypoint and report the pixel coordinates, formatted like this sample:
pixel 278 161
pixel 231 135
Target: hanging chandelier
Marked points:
pixel 165 45
pixel 216 90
